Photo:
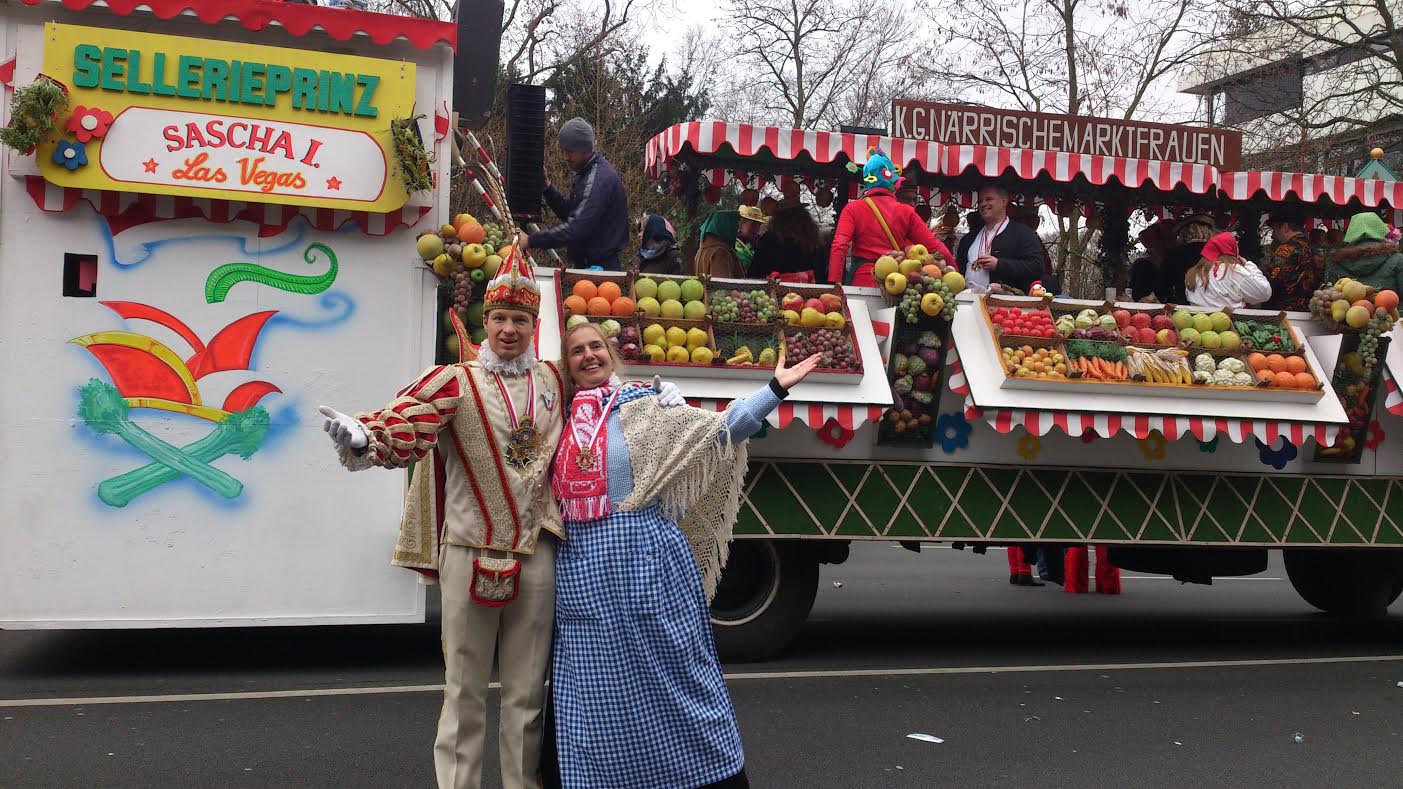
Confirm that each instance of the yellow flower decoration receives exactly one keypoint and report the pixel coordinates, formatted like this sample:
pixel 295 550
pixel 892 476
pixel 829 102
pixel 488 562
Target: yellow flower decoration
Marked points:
pixel 1029 447
pixel 1154 445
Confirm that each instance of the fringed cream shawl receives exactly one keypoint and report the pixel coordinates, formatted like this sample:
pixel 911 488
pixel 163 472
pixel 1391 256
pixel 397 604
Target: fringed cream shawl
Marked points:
pixel 684 457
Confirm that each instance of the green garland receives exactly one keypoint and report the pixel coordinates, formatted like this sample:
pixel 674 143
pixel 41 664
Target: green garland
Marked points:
pixel 34 111
pixel 415 161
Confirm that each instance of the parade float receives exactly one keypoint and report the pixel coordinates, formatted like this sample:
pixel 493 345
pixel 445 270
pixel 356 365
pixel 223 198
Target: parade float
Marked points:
pixel 207 208
pixel 1188 441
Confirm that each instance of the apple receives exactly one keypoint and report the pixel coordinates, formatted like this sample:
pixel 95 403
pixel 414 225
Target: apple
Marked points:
pixel 1162 322
pixel 1167 337
pixel 791 317
pixel 1122 318
pixel 815 305
pixel 835 320
pixel 1190 335
pixel 831 302
pixel 895 284
pixel 918 251
pixel 1140 320
pixel 792 301
pixel 1147 335
pixel 885 265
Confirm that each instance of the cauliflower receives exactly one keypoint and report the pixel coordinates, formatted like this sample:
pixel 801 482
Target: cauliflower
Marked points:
pixel 1222 378
pixel 1202 377
pixel 1233 366
pixel 1241 378
pixel 1205 363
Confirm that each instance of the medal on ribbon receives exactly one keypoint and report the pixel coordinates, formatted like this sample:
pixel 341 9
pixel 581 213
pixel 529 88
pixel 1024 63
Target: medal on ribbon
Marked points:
pixel 523 441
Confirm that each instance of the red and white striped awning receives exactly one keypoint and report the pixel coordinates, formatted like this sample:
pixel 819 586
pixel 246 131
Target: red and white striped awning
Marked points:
pixel 127 209
pixel 1065 167
pixel 749 140
pixel 850 416
pixel 1076 424
pixel 1313 187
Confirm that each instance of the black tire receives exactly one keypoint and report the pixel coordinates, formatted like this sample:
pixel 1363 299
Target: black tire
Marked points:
pixel 1356 583
pixel 763 598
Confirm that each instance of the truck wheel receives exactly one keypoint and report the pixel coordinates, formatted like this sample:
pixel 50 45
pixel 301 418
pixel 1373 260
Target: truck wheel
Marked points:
pixel 763 598
pixel 1346 582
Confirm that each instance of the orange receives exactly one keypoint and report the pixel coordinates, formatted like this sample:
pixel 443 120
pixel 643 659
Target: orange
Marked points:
pixel 1276 363
pixel 575 305
pixel 1266 376
pixel 471 233
pixel 609 291
pixel 1305 381
pixel 1284 380
pixel 1386 299
pixel 585 289
pixel 622 307
pixel 597 306
pixel 1365 303
pixel 1295 364
pixel 1257 361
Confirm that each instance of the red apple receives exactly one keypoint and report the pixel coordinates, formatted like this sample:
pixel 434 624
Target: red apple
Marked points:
pixel 1162 322
pixel 815 304
pixel 1140 320
pixel 1167 337
pixel 792 301
pixel 1122 318
pixel 831 302
pixel 1147 336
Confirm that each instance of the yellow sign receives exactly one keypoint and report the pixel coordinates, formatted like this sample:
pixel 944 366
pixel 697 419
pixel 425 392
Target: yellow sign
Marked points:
pixel 214 119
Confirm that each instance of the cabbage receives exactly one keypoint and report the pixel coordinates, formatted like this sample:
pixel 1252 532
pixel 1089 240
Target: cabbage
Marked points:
pixel 915 365
pixel 903 384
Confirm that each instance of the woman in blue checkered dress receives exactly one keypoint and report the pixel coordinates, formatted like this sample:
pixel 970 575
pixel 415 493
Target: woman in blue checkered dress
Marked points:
pixel 640 701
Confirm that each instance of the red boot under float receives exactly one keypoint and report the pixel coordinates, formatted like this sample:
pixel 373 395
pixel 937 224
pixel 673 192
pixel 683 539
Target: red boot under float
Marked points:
pixel 1020 573
pixel 1107 574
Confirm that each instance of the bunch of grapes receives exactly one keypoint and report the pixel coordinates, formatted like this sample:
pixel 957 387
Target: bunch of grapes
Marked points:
pixel 1369 348
pixel 759 306
pixel 494 239
pixel 835 348
pixel 910 305
pixel 462 289
pixel 724 307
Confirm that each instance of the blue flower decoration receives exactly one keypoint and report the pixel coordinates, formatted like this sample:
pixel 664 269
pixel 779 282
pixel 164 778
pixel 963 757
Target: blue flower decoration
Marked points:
pixel 1209 446
pixel 1277 458
pixel 953 432
pixel 71 154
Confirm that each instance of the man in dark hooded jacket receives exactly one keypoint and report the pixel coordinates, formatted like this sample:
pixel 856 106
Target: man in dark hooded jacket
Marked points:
pixel 596 213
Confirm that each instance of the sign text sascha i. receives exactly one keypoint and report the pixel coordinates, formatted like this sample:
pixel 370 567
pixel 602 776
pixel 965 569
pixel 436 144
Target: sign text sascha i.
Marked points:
pixel 957 124
pixel 230 121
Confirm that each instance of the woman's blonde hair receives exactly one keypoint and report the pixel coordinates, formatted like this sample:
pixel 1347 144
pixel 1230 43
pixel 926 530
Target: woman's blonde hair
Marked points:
pixel 1193 231
pixel 1196 278
pixel 565 355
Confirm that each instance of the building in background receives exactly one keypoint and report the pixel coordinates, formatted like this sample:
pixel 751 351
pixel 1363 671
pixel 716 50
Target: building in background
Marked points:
pixel 1311 93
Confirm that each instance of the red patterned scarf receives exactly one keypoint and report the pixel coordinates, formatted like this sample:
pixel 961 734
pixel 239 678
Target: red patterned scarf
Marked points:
pixel 579 478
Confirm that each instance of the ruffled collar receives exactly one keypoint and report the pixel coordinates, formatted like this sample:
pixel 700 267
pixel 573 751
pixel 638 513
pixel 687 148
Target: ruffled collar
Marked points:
pixel 493 363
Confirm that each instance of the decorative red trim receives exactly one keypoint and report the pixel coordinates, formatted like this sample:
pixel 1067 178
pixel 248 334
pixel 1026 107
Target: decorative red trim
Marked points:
pixel 299 20
pixel 496 461
pixel 472 479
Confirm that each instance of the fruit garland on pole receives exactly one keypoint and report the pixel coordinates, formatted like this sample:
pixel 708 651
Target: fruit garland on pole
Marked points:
pixel 34 112
pixel 414 160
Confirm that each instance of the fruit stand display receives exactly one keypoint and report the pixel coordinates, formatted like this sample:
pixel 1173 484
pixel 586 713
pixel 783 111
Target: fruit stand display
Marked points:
pixel 464 255
pixel 1364 316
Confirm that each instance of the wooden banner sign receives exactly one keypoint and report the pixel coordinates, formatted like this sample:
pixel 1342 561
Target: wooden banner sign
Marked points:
pixel 214 119
pixel 958 124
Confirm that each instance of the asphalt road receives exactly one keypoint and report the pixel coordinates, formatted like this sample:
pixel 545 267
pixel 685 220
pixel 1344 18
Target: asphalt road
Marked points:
pixel 1166 685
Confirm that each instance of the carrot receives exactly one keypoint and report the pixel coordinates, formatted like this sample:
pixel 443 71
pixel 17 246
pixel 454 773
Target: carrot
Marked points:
pixel 1120 370
pixel 1101 371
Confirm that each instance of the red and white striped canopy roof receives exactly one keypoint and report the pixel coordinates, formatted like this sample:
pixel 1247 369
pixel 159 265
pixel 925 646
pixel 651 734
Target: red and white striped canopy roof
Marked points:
pixel 126 209
pixel 1040 422
pixel 741 150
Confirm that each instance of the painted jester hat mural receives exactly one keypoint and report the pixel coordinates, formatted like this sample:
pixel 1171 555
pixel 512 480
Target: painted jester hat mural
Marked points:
pixel 148 374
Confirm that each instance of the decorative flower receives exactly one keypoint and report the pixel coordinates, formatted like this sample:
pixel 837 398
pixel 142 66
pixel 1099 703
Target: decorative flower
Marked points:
pixel 1209 446
pixel 71 154
pixel 1375 436
pixel 87 123
pixel 953 432
pixel 1029 447
pixel 834 434
pixel 1153 446
pixel 1276 458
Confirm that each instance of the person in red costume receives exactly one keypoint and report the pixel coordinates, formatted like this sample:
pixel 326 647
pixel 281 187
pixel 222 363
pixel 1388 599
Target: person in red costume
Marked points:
pixel 875 225
pixel 1107 574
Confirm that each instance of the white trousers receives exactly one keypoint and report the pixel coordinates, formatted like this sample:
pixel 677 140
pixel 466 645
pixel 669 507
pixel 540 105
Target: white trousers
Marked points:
pixel 519 633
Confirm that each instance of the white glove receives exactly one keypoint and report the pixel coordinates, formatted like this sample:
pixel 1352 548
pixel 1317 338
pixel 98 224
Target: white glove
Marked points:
pixel 668 393
pixel 344 430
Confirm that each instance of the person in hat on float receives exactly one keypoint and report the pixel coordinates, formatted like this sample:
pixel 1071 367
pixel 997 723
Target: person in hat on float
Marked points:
pixel 596 226
pixel 877 224
pixel 728 239
pixel 480 520
pixel 1222 279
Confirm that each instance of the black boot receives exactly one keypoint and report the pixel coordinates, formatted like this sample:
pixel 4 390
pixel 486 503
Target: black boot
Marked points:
pixel 1027 580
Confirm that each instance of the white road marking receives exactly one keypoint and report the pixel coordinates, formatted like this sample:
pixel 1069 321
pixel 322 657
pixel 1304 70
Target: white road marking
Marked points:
pixel 756 675
pixel 1215 580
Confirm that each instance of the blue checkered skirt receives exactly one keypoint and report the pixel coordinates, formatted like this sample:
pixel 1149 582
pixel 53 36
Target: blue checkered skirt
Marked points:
pixel 639 697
